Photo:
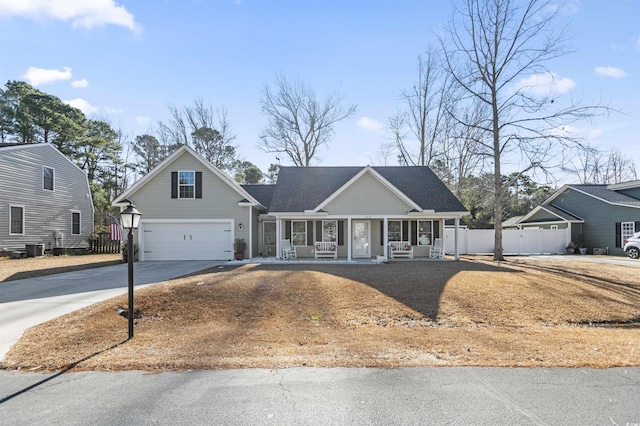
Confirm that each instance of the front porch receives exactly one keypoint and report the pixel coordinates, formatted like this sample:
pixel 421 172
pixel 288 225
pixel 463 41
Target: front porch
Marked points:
pixel 324 239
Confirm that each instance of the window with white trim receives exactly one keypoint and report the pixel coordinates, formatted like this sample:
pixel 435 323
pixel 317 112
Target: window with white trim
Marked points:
pixel 187 184
pixel 330 231
pixel 628 229
pixel 299 232
pixel 16 220
pixel 75 223
pixel 47 178
pixel 425 232
pixel 394 228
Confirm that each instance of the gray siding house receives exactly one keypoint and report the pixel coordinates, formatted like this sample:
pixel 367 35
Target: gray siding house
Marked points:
pixel 192 210
pixel 599 216
pixel 44 199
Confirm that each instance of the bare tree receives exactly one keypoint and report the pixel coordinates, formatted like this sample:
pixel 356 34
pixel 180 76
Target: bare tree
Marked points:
pixel 496 51
pixel 592 166
pixel 419 131
pixel 461 151
pixel 299 122
pixel 206 129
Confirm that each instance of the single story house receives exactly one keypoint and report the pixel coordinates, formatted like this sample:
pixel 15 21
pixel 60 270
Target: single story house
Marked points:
pixel 45 199
pixel 599 217
pixel 191 210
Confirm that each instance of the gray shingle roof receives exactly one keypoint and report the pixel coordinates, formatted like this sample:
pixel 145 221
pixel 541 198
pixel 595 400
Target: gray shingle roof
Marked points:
pixel 262 193
pixel 604 193
pixel 562 213
pixel 304 188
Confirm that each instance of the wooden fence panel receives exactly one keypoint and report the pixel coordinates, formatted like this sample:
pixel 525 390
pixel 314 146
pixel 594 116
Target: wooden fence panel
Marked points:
pixel 103 244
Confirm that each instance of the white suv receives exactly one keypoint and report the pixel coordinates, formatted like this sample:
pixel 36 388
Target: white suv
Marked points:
pixel 632 246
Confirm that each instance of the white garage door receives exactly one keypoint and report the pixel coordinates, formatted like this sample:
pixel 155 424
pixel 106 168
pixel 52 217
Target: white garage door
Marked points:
pixel 187 240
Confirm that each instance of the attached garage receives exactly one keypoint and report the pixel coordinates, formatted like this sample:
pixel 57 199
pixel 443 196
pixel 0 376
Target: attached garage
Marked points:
pixel 186 240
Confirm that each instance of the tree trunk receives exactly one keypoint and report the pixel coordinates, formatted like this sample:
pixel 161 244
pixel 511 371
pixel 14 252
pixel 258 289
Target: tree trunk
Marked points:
pixel 497 183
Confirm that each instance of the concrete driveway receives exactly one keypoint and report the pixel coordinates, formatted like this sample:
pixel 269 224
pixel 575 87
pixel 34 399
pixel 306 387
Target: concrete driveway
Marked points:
pixel 32 301
pixel 607 260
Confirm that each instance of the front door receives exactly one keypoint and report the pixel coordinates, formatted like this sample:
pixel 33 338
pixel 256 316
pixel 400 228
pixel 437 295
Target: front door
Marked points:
pixel 268 248
pixel 361 244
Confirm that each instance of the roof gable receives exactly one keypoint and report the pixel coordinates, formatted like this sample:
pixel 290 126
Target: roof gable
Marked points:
pixel 357 178
pixel 184 149
pixel 301 189
pixel 548 213
pixel 34 146
pixel 599 192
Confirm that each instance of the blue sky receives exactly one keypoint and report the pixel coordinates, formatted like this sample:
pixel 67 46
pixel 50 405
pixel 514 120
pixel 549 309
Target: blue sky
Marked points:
pixel 126 60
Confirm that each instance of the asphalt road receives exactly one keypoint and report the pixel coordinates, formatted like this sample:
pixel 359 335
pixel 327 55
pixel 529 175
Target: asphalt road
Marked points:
pixel 28 302
pixel 339 396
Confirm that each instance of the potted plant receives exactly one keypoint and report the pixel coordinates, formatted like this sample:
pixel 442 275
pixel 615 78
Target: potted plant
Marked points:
pixel 239 246
pixel 571 247
pixel 581 247
pixel 125 252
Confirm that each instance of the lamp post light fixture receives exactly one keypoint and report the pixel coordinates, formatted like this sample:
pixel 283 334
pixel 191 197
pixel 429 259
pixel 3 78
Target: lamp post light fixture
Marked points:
pixel 130 219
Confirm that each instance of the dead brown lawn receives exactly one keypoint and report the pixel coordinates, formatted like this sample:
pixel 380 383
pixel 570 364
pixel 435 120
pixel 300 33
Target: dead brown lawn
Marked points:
pixel 18 269
pixel 473 312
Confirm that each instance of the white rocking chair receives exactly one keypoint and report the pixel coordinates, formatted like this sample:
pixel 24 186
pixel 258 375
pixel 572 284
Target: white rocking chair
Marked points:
pixel 437 249
pixel 288 251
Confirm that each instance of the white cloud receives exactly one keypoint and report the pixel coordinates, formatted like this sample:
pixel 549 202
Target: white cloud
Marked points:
pixel 113 110
pixel 611 72
pixel 546 84
pixel 82 13
pixel 37 76
pixel 82 105
pixel 80 84
pixel 369 124
pixel 595 134
pixel 142 120
pixel 565 131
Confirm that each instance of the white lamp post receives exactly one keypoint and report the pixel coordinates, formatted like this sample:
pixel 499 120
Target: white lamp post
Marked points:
pixel 130 219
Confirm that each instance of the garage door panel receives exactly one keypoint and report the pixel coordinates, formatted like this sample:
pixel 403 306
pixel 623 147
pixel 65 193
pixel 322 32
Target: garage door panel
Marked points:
pixel 188 241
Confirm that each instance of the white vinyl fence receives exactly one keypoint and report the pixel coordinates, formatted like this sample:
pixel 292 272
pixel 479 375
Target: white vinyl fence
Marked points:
pixel 514 241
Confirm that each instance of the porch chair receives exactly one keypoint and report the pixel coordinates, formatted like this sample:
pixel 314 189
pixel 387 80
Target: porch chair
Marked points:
pixel 437 249
pixel 288 251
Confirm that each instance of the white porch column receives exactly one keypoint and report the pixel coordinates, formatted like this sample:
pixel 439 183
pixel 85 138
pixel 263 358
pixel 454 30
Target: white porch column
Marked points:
pixel 278 236
pixel 250 232
pixel 349 239
pixel 456 250
pixel 385 238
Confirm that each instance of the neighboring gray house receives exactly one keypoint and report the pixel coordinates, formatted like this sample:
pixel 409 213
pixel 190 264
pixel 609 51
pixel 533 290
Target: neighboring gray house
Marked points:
pixel 192 210
pixel 44 199
pixel 601 216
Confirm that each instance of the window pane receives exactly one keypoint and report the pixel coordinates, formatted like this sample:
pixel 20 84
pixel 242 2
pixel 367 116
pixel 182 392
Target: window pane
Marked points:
pixel 75 223
pixel 329 230
pixel 424 232
pixel 186 178
pixel 299 232
pixel 628 229
pixel 186 192
pixel 395 230
pixel 16 220
pixel 47 174
pixel 186 185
